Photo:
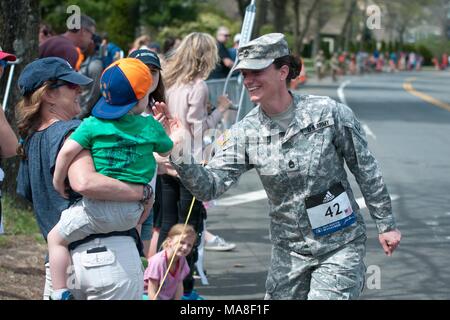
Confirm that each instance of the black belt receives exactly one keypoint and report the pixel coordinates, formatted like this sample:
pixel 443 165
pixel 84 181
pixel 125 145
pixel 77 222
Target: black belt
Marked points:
pixel 130 233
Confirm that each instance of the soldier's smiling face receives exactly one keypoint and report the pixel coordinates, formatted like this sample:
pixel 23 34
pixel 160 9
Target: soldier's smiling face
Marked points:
pixel 266 84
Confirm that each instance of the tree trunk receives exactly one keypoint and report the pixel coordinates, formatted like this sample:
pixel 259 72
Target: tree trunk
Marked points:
pixel 296 7
pixel 19 29
pixel 317 36
pixel 309 15
pixel 343 42
pixel 279 12
pixel 261 16
pixel 242 4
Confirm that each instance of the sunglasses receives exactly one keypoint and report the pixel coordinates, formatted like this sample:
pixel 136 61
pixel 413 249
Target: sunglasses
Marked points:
pixel 60 83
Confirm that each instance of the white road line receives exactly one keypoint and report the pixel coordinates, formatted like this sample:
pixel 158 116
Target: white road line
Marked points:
pixel 340 91
pixel 261 195
pixel 368 131
pixel 341 95
pixel 242 198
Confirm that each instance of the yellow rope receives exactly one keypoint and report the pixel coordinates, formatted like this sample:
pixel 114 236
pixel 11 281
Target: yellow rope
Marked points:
pixel 176 249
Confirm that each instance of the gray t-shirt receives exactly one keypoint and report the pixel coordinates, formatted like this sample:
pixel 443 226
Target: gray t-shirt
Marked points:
pixel 284 119
pixel 35 177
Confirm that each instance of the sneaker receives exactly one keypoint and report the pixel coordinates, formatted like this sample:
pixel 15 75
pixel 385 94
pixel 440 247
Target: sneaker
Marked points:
pixel 66 295
pixel 219 244
pixel 193 295
pixel 196 275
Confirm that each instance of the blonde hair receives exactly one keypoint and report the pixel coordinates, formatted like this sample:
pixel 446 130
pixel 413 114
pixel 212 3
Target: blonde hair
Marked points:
pixel 177 230
pixel 196 56
pixel 141 40
pixel 27 114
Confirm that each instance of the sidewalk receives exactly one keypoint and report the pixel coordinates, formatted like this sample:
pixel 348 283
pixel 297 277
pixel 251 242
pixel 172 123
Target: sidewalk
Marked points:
pixel 239 274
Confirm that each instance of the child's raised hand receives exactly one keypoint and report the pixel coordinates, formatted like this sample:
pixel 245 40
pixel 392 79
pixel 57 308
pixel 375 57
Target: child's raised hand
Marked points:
pixel 177 131
pixel 161 113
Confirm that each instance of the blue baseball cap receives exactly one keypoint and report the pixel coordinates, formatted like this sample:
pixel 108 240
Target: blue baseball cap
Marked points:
pixel 39 71
pixel 147 57
pixel 122 85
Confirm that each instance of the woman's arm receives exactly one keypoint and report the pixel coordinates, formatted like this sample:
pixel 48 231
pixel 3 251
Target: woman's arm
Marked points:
pixel 8 141
pixel 86 181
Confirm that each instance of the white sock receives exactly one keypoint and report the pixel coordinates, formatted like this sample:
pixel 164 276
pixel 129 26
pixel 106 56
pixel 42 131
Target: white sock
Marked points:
pixel 57 294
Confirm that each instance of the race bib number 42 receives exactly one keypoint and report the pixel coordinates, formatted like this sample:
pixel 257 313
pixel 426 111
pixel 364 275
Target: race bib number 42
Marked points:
pixel 330 211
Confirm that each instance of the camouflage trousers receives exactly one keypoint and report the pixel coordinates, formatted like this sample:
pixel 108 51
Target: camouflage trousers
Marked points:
pixel 337 275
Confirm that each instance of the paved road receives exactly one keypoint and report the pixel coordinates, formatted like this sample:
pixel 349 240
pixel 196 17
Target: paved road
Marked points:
pixel 410 138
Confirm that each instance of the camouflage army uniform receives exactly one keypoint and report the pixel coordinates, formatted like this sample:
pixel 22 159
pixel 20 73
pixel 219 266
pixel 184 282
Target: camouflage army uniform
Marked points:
pixel 305 164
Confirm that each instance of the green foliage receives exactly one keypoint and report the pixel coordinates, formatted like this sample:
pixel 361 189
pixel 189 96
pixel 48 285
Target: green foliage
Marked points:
pixel 158 14
pixel 18 220
pixel 54 12
pixel 206 22
pixel 122 23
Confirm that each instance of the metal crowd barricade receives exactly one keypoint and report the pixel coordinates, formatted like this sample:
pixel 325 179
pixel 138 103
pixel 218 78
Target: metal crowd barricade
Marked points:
pixel 234 88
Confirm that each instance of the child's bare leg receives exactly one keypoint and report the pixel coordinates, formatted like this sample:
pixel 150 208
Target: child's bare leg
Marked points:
pixel 59 258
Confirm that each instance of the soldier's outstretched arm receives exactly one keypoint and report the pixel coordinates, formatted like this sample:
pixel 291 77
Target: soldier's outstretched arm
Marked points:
pixel 223 170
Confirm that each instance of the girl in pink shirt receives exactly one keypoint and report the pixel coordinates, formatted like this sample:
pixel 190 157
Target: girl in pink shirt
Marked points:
pixel 172 287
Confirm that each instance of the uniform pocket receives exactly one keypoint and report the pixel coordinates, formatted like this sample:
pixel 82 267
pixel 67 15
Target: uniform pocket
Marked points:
pixel 345 282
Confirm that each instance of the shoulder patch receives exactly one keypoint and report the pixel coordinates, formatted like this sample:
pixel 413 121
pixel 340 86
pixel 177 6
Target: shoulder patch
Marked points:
pixel 223 138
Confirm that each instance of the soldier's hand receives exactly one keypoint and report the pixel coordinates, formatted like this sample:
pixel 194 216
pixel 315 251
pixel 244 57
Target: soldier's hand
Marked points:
pixel 390 241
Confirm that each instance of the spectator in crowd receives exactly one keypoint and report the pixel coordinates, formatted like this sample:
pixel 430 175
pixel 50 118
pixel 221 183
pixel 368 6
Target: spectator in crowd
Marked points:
pixel 233 50
pixel 225 61
pixel 152 225
pixel 141 42
pixel 45 32
pixel 115 128
pixel 162 282
pixel 109 51
pixel 71 44
pixel 92 67
pixel 105 266
pixel 187 99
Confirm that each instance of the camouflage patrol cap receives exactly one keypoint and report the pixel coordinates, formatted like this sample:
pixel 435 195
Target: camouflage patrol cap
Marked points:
pixel 261 52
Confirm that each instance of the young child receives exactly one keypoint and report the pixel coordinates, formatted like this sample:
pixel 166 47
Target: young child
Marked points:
pixel 172 288
pixel 122 143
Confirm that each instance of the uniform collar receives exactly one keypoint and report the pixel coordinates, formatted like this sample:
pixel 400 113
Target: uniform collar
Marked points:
pixel 302 118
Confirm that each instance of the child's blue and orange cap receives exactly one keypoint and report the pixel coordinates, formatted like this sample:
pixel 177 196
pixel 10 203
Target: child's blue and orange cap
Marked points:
pixel 122 85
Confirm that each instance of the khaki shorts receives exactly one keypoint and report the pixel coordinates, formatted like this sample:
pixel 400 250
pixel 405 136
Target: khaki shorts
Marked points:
pixel 104 269
pixel 89 216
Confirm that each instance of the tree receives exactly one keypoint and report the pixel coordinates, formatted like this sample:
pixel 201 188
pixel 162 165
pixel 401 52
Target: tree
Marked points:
pixel 279 15
pixel 262 7
pixel 299 30
pixel 19 29
pixel 345 35
pixel 242 5
pixel 123 22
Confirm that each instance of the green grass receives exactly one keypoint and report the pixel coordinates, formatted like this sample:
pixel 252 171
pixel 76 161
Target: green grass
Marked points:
pixel 18 220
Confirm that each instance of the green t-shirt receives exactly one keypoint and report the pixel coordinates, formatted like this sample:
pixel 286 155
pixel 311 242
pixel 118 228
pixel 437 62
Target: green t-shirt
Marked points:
pixel 123 148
